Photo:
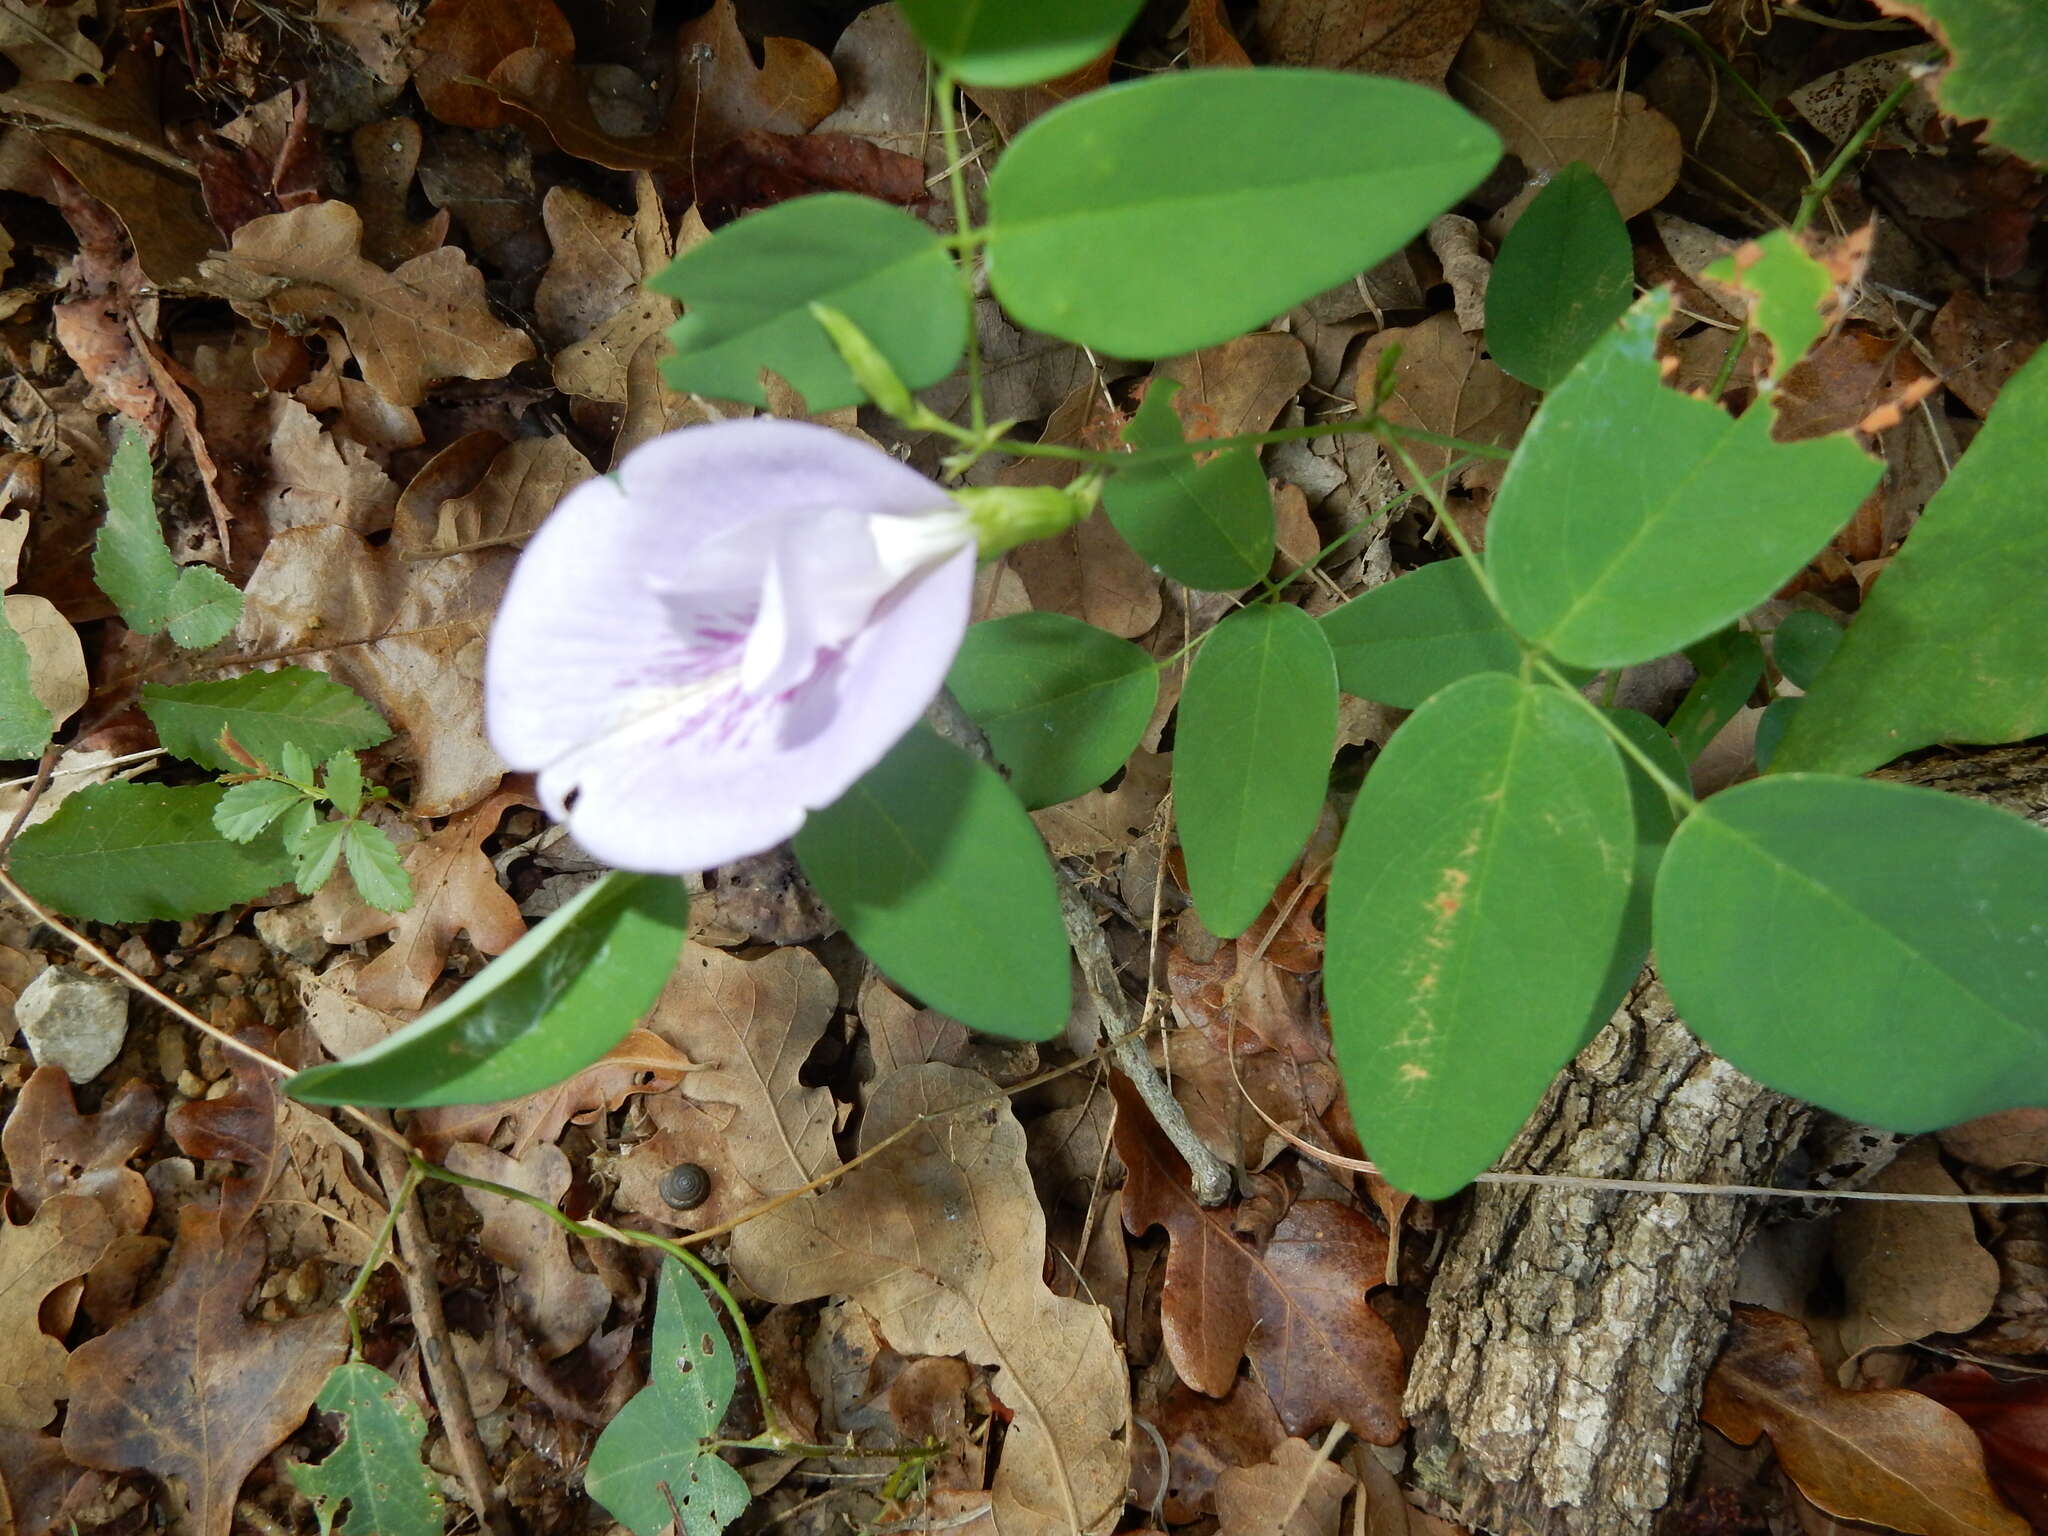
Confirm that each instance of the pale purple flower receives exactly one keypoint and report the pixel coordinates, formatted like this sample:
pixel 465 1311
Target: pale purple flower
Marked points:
pixel 722 636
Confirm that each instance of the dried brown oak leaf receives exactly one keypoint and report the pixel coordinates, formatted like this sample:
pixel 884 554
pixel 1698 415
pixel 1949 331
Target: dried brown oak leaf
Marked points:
pixel 468 38
pixel 1911 1270
pixel 1407 39
pixel 188 1387
pixel 1890 1457
pixel 1444 382
pixel 427 320
pixel 454 890
pixel 45 42
pixel 66 1239
pixel 2011 1419
pixel 1238 388
pixel 407 635
pixel 518 491
pixel 941 1238
pixel 594 270
pixel 53 1150
pixel 561 1304
pixel 1296 1493
pixel 749 1026
pixel 1300 1305
pixel 1634 150
pixel 643 1062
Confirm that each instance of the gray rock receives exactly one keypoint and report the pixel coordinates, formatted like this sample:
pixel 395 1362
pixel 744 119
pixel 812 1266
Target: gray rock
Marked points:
pixel 72 1020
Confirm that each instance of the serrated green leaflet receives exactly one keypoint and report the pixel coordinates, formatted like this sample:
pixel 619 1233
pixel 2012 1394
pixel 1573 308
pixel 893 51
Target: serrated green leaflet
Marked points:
pixel 1949 645
pixel 1787 287
pixel 133 565
pixel 932 866
pixel 1987 39
pixel 373 1483
pixel 1140 219
pixel 1635 520
pixel 656 1442
pixel 1208 526
pixel 263 711
pixel 1062 702
pixel 1405 639
pixel 246 809
pixel 1474 914
pixel 1251 758
pixel 1878 949
pixel 25 724
pixel 1564 275
pixel 1730 665
pixel 548 1007
pixel 374 865
pixel 1003 43
pixel 120 853
pixel 315 854
pixel 749 289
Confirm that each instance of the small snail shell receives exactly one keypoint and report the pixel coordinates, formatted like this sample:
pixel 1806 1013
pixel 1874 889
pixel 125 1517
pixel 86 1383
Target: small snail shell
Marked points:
pixel 685 1187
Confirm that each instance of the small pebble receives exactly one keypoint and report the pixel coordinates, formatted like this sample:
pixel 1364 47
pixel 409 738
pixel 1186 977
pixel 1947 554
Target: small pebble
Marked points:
pixel 73 1020
pixel 239 955
pixel 191 1085
pixel 173 1056
pixel 139 957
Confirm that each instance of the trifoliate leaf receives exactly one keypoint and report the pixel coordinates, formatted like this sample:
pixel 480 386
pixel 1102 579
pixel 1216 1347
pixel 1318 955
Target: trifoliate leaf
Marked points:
pixel 314 854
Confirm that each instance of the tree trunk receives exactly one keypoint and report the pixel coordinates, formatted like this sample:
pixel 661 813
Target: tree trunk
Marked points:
pixel 1557 1388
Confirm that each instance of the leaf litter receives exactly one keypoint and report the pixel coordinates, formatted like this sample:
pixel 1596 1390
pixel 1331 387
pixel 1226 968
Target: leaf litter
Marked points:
pixel 370 338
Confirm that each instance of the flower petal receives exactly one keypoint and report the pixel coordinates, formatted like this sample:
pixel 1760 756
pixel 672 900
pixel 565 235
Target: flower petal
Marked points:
pixel 646 801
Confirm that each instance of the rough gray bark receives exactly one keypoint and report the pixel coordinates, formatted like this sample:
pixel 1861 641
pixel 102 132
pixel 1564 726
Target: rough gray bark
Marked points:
pixel 1557 1389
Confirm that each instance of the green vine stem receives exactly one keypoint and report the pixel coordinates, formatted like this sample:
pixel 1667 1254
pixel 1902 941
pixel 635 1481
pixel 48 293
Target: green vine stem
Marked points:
pixel 374 1259
pixel 1853 146
pixel 946 89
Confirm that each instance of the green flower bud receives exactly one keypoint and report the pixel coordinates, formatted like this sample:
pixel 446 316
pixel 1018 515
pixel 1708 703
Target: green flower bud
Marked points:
pixel 1005 516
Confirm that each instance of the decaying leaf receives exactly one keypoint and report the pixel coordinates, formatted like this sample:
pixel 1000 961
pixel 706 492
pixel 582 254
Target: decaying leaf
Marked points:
pixel 941 1238
pixel 1894 1458
pixel 189 1387
pixel 68 1236
pixel 1109 820
pixel 641 1063
pixel 1445 383
pixel 1237 388
pixel 53 1150
pixel 409 636
pixel 1634 150
pixel 1299 1492
pixel 561 1304
pixel 460 41
pixel 2011 1420
pixel 1324 1353
pixel 1407 39
pixel 45 42
pixel 454 890
pixel 1911 1270
pixel 427 320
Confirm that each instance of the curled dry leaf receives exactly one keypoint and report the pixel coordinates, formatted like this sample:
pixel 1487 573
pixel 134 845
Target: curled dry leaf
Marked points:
pixel 1322 1351
pixel 515 495
pixel 1634 150
pixel 408 636
pixel 643 1062
pixel 1299 1492
pixel 191 1388
pixel 54 1150
pixel 941 1238
pixel 560 1304
pixel 1894 1458
pixel 68 1236
pixel 1911 1270
pixel 454 890
pixel 1407 39
pixel 427 320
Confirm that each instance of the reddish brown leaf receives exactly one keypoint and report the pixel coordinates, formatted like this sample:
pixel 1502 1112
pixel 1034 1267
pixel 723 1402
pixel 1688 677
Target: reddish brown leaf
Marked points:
pixel 1211 43
pixel 470 38
pixel 2011 1419
pixel 758 169
pixel 1891 1457
pixel 52 1149
pixel 188 1386
pixel 1203 1437
pixel 643 1062
pixel 1305 1295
